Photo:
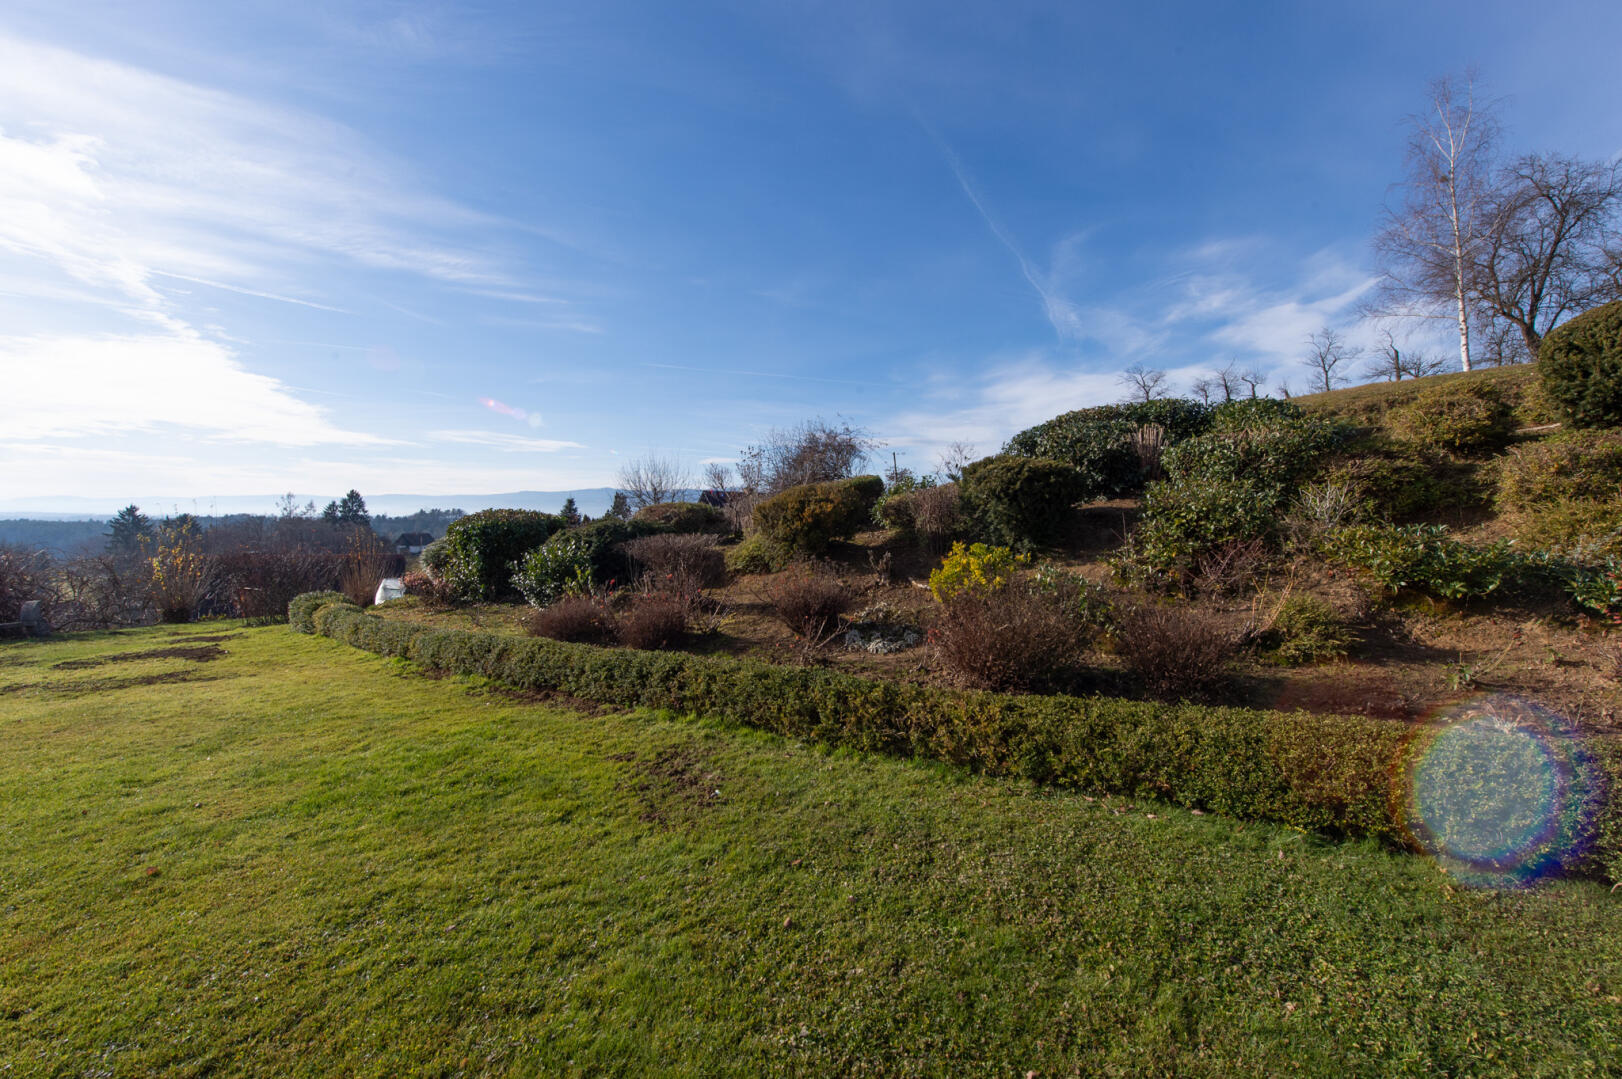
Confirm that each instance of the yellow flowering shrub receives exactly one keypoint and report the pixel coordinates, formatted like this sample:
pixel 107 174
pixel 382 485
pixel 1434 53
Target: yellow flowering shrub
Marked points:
pixel 976 567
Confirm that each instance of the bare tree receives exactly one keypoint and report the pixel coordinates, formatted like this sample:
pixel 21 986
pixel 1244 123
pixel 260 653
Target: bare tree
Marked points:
pixel 813 451
pixel 654 478
pixel 1428 247
pixel 1543 257
pixel 1145 384
pixel 718 476
pixel 1252 380
pixel 1203 388
pixel 1326 353
pixel 1393 364
pixel 954 458
pixel 1228 381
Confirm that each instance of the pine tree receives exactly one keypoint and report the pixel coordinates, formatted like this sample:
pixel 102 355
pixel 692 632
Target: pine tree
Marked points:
pixel 621 509
pixel 351 510
pixel 570 512
pixel 126 530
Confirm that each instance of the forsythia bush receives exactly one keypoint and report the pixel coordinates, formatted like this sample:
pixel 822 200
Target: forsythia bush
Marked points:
pixel 976 568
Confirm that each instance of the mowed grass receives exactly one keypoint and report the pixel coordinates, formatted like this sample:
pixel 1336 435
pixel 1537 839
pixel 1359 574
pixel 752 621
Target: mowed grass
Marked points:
pixel 297 858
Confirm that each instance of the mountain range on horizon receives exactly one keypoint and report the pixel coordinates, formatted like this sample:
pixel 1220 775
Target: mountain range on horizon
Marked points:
pixel 592 501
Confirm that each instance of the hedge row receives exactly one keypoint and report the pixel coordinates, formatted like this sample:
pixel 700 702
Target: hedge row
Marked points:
pixel 1331 774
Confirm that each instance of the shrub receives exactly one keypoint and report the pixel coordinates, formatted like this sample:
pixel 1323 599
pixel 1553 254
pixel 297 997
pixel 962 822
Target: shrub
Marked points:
pixel 1580 362
pixel 685 517
pixel 558 567
pixel 1022 501
pixel 975 568
pixel 1565 493
pixel 24 575
pixel 1313 772
pixel 179 573
pixel 1098 442
pixel 586 619
pixel 928 514
pixel 261 583
pixel 482 547
pixel 1085 601
pixel 755 554
pixel 1186 520
pixel 808 601
pixel 1466 418
pixel 435 558
pixel 1308 630
pixel 1018 637
pixel 301 609
pixel 366 561
pixel 654 620
pixel 1598 588
pixel 1176 652
pixel 1424 558
pixel 807 518
pixel 689 561
pixel 604 542
pixel 1283 447
pixel 1402 482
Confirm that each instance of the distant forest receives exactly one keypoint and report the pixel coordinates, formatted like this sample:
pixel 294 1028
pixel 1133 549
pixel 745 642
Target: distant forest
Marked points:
pixel 70 538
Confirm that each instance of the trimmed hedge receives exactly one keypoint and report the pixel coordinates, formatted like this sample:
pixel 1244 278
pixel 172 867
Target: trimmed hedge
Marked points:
pixel 1324 773
pixel 301 609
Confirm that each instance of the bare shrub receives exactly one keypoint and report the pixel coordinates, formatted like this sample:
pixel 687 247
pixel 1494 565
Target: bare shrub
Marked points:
pixel 653 620
pixel 101 592
pixel 25 575
pixel 1175 651
pixel 257 583
pixel 1321 508
pixel 688 562
pixel 366 561
pixel 179 574
pixel 1015 637
pixel 1230 567
pixel 585 619
pixel 809 601
pixel 435 594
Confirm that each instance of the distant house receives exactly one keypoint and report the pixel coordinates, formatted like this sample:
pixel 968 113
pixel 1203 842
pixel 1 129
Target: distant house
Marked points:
pixel 413 542
pixel 712 497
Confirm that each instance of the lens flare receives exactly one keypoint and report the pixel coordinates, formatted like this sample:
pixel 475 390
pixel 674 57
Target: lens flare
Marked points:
pixel 1500 791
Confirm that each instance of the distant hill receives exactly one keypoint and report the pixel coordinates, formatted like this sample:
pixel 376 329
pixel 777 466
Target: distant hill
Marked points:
pixel 592 501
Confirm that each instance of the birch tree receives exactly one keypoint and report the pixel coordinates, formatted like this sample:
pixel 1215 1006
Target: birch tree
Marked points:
pixel 1430 243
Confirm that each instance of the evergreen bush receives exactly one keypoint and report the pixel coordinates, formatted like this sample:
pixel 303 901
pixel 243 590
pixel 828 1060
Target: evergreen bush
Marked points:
pixel 1580 363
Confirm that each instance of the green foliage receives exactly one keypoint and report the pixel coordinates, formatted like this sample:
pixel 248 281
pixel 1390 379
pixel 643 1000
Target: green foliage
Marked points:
pixel 1186 518
pixel 1097 442
pixel 898 485
pixel 301 609
pixel 1087 602
pixel 1598 588
pixel 1372 404
pixel 1581 365
pixel 1308 630
pixel 559 567
pixel 1565 493
pixel 1278 446
pixel 685 517
pixel 1401 481
pixel 600 543
pixel 756 554
pixel 620 508
pixel 436 558
pixel 975 568
pixel 807 519
pixel 1425 558
pixel 1470 418
pixel 1021 501
pixel 482 547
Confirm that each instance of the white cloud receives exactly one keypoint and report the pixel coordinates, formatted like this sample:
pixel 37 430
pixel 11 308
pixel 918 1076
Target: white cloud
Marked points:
pixel 170 378
pixel 509 443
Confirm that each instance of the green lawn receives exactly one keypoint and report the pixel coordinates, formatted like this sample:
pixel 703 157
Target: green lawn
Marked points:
pixel 297 858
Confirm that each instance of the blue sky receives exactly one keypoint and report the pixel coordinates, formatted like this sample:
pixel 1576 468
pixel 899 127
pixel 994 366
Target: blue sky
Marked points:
pixel 446 248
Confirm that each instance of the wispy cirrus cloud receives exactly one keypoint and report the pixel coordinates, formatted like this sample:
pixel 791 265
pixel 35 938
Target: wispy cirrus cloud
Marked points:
pixel 506 442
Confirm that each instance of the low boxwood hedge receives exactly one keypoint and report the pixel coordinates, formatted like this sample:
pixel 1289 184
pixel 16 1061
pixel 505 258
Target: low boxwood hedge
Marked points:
pixel 1330 774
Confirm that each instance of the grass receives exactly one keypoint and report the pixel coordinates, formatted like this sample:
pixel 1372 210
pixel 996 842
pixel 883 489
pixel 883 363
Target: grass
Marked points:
pixel 297 858
pixel 1368 403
